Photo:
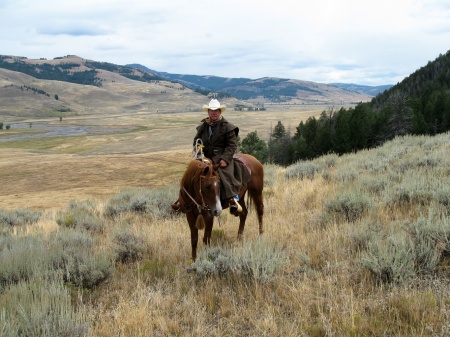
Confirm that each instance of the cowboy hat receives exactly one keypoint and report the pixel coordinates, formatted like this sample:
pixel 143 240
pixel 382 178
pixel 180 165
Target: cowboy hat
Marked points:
pixel 214 105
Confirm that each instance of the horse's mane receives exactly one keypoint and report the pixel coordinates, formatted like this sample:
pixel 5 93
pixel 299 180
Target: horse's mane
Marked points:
pixel 194 171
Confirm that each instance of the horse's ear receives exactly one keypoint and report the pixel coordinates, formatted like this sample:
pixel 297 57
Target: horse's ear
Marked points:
pixel 206 170
pixel 216 167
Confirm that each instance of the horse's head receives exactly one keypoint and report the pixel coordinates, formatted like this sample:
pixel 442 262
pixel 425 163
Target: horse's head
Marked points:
pixel 210 189
pixel 200 186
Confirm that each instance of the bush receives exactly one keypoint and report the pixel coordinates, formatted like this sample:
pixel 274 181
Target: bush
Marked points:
pixel 259 261
pixel 41 307
pixel 390 260
pixel 431 237
pixel 22 258
pixel 79 260
pixel 69 252
pixel 81 215
pixel 19 217
pixel 302 170
pixel 415 250
pixel 128 247
pixel 154 202
pixel 349 206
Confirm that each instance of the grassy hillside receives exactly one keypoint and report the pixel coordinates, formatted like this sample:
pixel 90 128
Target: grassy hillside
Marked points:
pixel 116 95
pixel 355 245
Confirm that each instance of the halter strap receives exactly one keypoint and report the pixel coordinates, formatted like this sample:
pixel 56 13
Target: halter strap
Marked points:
pixel 203 206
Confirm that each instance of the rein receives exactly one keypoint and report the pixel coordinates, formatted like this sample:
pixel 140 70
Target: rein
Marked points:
pixel 203 206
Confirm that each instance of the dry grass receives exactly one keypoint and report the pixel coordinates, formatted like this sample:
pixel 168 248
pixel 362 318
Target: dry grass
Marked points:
pixel 322 291
pixel 48 172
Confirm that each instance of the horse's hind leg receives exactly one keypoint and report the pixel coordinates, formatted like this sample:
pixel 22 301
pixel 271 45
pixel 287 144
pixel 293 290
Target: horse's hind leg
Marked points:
pixel 259 205
pixel 242 219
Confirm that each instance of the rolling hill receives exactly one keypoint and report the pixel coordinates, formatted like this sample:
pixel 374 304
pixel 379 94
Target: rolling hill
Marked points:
pixel 72 85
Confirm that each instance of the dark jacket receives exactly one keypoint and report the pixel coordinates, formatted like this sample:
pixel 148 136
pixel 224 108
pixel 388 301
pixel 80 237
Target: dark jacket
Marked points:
pixel 222 144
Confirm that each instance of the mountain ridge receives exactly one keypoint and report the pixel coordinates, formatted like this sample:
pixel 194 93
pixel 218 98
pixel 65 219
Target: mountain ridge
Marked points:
pixel 74 85
pixel 266 89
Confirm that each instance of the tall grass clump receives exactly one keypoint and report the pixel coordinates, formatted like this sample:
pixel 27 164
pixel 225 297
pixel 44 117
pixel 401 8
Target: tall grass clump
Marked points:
pixel 154 203
pixel 41 307
pixel 81 215
pixel 260 261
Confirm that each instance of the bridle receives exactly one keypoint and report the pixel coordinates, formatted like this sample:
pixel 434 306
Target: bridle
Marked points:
pixel 203 206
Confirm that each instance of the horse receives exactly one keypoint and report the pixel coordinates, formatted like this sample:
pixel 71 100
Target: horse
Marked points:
pixel 200 196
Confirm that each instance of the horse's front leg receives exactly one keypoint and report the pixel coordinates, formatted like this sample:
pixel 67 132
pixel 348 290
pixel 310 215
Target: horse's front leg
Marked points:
pixel 194 234
pixel 209 221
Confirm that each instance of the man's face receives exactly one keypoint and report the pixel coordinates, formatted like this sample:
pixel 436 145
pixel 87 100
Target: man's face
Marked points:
pixel 214 114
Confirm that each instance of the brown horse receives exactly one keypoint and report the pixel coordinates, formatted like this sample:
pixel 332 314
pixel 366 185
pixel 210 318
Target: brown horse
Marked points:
pixel 200 196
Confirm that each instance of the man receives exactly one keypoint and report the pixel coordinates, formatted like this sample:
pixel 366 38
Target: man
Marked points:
pixel 220 143
pixel 219 138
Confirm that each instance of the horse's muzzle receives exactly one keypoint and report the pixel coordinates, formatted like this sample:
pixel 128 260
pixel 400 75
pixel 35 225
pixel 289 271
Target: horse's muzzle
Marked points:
pixel 215 212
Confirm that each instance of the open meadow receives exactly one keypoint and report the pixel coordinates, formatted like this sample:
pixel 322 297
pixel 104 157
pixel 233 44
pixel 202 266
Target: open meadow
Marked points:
pixel 354 245
pixel 142 150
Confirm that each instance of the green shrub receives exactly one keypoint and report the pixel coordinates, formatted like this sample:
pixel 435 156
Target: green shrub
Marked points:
pixel 346 175
pixel 23 257
pixel 303 170
pixel 349 206
pixel 128 246
pixel 41 307
pixel 376 186
pixel 73 253
pixel 80 260
pixel 82 215
pixel 390 259
pixel 258 261
pixel 19 217
pixel 431 237
pixel 151 202
pixel 362 233
pixel 414 249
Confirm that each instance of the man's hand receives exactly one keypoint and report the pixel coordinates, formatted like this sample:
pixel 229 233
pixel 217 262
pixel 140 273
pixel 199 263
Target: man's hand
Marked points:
pixel 223 163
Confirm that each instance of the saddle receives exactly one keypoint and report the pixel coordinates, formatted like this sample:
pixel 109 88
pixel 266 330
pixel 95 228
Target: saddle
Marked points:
pixel 243 161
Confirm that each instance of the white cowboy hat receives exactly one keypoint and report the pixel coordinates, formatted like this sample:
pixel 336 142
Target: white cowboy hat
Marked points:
pixel 214 105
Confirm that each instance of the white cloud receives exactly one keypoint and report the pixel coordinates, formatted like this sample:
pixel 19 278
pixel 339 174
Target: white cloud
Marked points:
pixel 372 42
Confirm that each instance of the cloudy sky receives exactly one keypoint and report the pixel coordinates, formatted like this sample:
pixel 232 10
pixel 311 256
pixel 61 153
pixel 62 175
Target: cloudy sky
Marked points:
pixel 350 41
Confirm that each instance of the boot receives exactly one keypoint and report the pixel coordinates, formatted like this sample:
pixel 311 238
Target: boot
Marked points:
pixel 235 207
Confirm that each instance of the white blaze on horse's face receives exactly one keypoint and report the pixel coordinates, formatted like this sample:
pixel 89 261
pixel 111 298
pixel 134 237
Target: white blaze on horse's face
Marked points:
pixel 218 206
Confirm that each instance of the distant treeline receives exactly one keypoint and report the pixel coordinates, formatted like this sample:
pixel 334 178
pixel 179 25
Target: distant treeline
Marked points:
pixel 419 105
